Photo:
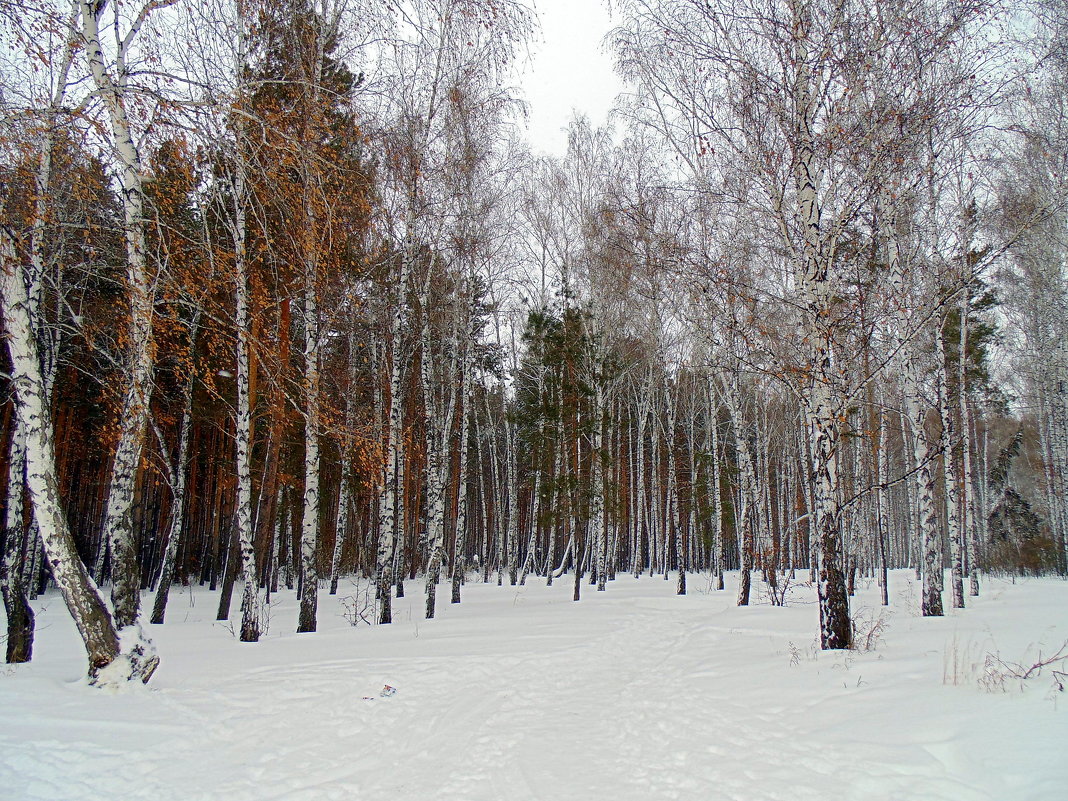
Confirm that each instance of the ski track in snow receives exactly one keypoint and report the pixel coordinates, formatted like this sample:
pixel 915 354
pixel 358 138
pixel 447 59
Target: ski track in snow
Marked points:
pixel 633 694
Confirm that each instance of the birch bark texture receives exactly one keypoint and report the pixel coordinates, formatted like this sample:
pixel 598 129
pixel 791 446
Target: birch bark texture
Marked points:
pixel 112 84
pixel 112 659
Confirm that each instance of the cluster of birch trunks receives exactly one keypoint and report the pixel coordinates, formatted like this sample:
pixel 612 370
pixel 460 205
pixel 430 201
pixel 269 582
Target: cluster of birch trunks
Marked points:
pixel 288 305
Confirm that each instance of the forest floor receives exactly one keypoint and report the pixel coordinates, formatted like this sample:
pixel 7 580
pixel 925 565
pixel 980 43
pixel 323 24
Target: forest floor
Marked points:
pixel 518 693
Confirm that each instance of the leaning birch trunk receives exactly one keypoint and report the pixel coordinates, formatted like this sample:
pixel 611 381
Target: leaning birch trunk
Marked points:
pixel 19 559
pixel 107 663
pixel 19 563
pixel 344 500
pixel 48 340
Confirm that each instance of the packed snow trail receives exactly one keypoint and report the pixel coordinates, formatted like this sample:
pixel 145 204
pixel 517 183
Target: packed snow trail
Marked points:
pixel 634 694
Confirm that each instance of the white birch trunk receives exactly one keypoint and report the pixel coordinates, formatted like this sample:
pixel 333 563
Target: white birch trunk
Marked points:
pixel 641 522
pixel 20 617
pixel 251 608
pixel 309 526
pixel 927 513
pixel 460 532
pixel 950 480
pixel 107 663
pixel 140 351
pixel 437 427
pixel 881 478
pixel 717 494
pixel 743 518
pixel 673 489
pixel 821 402
pixel 597 517
pixel 387 496
pixel 513 503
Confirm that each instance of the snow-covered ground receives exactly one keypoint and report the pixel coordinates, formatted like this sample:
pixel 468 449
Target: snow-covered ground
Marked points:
pixel 518 693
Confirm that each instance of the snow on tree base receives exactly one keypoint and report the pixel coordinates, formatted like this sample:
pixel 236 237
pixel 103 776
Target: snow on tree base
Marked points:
pixel 137 660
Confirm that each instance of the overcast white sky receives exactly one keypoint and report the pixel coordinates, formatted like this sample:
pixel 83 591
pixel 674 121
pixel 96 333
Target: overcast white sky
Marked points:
pixel 569 70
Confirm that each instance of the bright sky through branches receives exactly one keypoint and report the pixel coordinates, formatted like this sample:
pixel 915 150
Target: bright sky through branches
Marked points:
pixel 570 70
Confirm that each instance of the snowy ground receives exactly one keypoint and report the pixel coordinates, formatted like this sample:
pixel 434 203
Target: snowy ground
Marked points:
pixel 634 694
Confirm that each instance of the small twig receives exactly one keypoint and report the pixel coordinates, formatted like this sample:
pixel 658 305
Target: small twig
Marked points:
pixel 1017 670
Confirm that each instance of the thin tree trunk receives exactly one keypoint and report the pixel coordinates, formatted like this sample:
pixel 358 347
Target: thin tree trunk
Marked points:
pixel 460 532
pixel 743 518
pixel 597 516
pixel 178 483
pixel 388 498
pixel 140 355
pixel 950 476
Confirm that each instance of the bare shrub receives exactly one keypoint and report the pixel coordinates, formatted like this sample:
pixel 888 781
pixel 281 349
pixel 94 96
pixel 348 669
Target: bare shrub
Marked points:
pixel 869 625
pixel 992 673
pixel 359 607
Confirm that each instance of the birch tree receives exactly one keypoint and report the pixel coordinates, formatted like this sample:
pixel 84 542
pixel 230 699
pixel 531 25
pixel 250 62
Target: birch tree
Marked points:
pixel 21 536
pixel 111 74
pixel 113 656
pixel 786 108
